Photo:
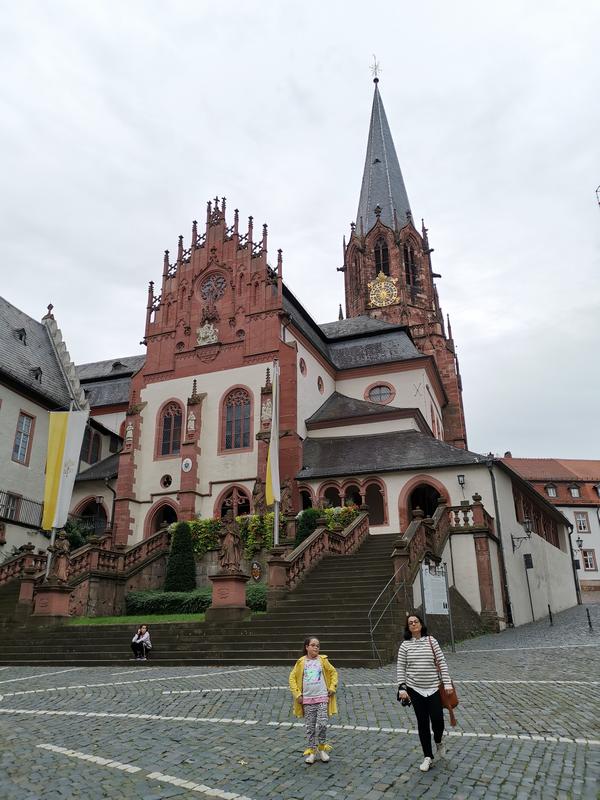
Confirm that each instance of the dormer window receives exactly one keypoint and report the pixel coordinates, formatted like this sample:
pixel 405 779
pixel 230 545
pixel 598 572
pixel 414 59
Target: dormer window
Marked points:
pixel 550 490
pixel 36 374
pixel 574 490
pixel 118 365
pixel 21 335
pixel 382 257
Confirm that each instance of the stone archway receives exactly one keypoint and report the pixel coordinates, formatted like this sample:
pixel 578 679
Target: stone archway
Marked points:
pixel 421 489
pixel 162 517
pixel 425 497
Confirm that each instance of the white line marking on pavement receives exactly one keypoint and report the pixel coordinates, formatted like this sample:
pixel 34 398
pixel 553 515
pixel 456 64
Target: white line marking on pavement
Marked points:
pixel 1 668
pixel 41 675
pixel 131 671
pixel 155 776
pixel 280 724
pixel 526 649
pixel 376 686
pixel 128 683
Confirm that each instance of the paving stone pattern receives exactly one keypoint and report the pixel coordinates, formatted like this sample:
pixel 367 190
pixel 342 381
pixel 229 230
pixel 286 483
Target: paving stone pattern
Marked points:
pixel 238 738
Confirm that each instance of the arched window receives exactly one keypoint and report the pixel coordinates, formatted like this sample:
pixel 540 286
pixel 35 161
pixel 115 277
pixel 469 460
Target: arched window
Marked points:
pixel 162 517
pixel 410 265
pixel 352 495
pixel 236 420
pixel 382 257
pixel 237 501
pixel 374 499
pixel 170 430
pixel 92 446
pixel 305 499
pixel 93 517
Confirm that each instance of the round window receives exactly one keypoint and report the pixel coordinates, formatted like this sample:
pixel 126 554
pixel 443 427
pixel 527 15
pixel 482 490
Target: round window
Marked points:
pixel 320 384
pixel 380 394
pixel 166 481
pixel 303 366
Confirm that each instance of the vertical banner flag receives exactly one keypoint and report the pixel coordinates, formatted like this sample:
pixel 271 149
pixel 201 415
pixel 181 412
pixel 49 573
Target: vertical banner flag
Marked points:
pixel 65 437
pixel 272 489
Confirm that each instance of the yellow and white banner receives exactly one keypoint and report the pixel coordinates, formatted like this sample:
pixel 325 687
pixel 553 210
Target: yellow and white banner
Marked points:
pixel 65 437
pixel 272 490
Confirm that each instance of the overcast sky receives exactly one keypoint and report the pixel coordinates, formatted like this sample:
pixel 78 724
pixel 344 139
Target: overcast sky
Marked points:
pixel 120 120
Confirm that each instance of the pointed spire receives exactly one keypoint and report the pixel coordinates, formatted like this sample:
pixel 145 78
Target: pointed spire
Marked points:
pixel 382 183
pixel 341 313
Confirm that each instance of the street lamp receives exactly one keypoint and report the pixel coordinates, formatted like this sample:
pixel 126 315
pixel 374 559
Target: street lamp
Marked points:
pixel 528 531
pixel 461 483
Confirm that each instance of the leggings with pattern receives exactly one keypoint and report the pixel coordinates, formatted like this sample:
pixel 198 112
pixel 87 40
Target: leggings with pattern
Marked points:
pixel 315 720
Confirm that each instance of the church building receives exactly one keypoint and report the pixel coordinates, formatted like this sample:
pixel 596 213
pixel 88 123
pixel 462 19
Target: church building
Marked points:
pixel 371 404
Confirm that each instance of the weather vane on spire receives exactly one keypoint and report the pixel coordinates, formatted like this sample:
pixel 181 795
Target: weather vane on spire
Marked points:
pixel 375 69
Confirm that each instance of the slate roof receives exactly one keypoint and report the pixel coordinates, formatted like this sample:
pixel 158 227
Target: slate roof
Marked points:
pixel 107 468
pixel 339 406
pixel 357 342
pixel 96 370
pixel 383 452
pixel 382 183
pixel 19 359
pixel 107 393
pixel 557 469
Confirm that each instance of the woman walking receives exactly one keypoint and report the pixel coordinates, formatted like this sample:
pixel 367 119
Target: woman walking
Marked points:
pixel 313 681
pixel 418 683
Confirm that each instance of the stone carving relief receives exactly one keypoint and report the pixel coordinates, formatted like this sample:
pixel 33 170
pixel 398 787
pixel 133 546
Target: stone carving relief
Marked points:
pixel 207 334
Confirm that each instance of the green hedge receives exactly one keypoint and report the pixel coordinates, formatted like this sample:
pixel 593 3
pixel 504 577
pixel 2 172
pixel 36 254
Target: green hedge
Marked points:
pixel 181 564
pixel 196 602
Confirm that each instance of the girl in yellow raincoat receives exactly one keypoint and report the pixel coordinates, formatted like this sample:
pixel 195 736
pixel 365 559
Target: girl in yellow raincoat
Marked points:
pixel 313 682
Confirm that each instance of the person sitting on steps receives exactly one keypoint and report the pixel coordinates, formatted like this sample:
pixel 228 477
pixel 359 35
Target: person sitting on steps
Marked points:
pixel 141 644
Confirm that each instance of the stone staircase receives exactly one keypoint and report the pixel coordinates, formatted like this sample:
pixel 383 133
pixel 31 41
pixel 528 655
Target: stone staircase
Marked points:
pixel 332 603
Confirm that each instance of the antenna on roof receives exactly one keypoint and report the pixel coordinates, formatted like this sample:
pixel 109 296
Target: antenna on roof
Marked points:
pixel 375 69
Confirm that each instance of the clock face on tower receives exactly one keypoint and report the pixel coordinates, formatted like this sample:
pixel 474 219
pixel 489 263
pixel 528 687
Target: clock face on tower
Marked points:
pixel 383 291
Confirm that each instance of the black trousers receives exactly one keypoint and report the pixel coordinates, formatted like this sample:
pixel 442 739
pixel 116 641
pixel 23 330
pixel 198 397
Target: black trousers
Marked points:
pixel 139 649
pixel 428 710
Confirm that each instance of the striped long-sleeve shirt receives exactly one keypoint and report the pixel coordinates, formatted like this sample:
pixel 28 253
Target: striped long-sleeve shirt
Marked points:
pixel 416 668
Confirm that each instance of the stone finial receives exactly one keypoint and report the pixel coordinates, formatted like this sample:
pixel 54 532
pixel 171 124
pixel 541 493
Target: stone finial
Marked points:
pixel 268 377
pixel 49 314
pixel 418 513
pixel 477 497
pixel 377 210
pixel 340 313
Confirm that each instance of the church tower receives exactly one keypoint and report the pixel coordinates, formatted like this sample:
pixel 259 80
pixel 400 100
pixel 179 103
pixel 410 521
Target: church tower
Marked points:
pixel 387 266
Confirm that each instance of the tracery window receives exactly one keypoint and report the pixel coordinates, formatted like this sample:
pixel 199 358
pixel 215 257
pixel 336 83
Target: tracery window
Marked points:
pixel 236 420
pixel 410 265
pixel 382 257
pixel 170 430
pixel 236 501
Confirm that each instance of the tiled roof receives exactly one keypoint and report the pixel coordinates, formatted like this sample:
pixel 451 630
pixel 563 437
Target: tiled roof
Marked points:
pixel 111 368
pixel 357 342
pixel 21 357
pixel 107 468
pixel 557 469
pixel 384 452
pixel 107 393
pixel 338 406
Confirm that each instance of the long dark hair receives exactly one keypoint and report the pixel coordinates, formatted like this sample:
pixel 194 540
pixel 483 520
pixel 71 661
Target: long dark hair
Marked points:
pixel 407 633
pixel 307 641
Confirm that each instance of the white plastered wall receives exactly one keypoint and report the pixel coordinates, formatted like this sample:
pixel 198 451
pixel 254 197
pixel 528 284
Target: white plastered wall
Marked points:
pixel 309 398
pixel 111 421
pixel 24 480
pixel 366 428
pixel 590 539
pixel 215 471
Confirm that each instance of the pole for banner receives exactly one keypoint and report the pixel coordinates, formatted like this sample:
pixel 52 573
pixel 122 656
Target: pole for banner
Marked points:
pixel 276 523
pixel 449 608
pixel 49 558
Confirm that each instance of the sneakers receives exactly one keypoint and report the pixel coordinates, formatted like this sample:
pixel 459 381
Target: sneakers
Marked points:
pixel 323 752
pixel 426 764
pixel 310 758
pixel 440 749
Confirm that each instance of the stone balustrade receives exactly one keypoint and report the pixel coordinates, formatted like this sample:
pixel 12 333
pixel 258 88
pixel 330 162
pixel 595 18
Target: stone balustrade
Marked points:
pixel 288 570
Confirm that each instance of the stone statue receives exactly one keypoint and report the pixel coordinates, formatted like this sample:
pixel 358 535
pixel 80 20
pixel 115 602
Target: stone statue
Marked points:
pixel 259 499
pixel 59 564
pixel 287 505
pixel 230 554
pixel 129 434
pixel 191 422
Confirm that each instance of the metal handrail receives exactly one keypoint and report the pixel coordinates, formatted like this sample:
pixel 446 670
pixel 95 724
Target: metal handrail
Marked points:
pixel 372 627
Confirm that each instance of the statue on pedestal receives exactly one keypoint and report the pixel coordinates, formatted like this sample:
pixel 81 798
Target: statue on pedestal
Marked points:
pixel 59 564
pixel 259 499
pixel 230 554
pixel 286 506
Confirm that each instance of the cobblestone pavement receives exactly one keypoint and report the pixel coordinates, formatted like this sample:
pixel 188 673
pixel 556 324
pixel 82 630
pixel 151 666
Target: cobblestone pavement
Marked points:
pixel 528 727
